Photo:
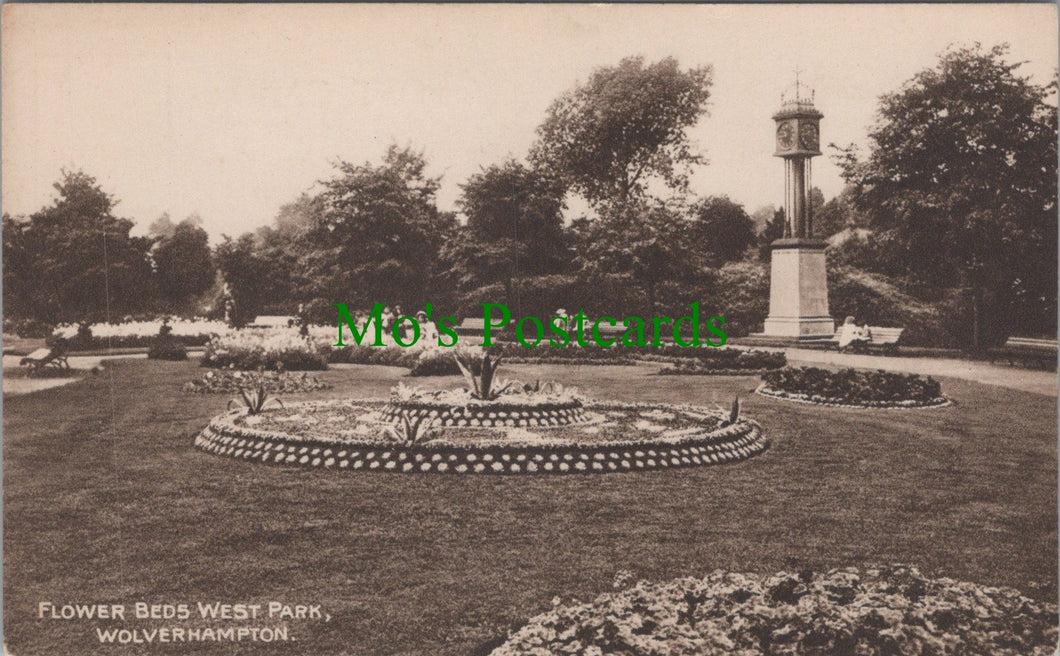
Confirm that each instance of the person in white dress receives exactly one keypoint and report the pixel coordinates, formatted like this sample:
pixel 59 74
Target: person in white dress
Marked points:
pixel 852 334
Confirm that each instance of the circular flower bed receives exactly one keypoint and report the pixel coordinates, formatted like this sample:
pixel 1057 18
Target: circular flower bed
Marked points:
pixel 613 437
pixel 883 610
pixel 852 388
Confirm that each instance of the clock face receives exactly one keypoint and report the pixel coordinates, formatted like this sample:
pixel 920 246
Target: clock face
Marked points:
pixel 808 136
pixel 785 136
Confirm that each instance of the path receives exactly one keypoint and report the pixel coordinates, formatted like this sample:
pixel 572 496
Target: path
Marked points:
pixel 1027 380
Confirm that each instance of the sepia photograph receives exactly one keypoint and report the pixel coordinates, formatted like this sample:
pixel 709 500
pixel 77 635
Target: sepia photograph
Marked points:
pixel 529 329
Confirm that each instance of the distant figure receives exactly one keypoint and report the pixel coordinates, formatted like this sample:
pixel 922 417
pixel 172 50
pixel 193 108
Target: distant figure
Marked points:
pixel 851 334
pixel 388 319
pixel 302 319
pixel 428 331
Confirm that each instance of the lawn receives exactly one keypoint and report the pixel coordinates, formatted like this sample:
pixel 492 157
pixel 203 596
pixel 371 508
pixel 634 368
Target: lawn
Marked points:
pixel 106 500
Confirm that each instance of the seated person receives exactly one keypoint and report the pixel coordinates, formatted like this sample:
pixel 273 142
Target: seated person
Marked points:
pixel 428 331
pixel 852 334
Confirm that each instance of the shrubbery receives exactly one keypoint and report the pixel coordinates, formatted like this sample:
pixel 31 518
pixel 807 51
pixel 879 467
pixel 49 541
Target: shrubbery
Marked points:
pixel 28 328
pixel 853 386
pixel 166 347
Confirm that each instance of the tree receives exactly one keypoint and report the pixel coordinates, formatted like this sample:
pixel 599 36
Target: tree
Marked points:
pixel 837 215
pixel 380 231
pixel 722 228
pixel 183 263
pixel 516 203
pixel 762 216
pixel 162 227
pixel 470 262
pixel 648 246
pixel 250 277
pixel 773 231
pixel 76 259
pixel 962 173
pixel 608 138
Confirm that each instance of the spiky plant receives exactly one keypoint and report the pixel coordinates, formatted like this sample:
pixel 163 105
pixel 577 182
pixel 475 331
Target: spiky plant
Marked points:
pixel 734 413
pixel 411 431
pixel 482 386
pixel 256 399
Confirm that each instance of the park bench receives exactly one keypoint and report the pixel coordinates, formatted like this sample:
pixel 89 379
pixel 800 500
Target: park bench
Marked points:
pixel 45 357
pixel 879 337
pixel 1027 351
pixel 471 327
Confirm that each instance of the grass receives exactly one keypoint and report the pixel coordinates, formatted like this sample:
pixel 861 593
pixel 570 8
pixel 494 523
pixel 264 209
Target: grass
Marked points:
pixel 106 500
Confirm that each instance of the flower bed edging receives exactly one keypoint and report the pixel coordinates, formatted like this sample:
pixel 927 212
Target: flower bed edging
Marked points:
pixel 939 402
pixel 730 444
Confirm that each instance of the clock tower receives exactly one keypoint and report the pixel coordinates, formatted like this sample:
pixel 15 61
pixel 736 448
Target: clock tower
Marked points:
pixel 798 291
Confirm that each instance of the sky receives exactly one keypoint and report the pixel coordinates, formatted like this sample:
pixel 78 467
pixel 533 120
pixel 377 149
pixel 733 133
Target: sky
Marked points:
pixel 230 111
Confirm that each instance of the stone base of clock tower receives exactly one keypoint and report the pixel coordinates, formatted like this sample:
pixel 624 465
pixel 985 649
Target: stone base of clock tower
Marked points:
pixel 798 291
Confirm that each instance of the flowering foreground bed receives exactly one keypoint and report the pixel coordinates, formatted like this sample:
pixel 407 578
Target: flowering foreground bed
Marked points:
pixel 881 610
pixel 488 438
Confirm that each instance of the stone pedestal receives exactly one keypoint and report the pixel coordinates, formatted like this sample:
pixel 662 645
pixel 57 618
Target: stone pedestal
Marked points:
pixel 798 291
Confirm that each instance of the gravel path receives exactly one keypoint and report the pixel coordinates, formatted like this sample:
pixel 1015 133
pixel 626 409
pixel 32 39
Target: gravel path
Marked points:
pixel 1027 380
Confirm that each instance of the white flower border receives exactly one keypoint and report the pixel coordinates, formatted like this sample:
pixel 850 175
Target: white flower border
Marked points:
pixel 938 402
pixel 730 444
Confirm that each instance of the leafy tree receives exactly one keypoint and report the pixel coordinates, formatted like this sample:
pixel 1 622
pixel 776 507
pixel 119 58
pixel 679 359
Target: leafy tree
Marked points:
pixel 837 215
pixel 722 228
pixel 380 231
pixel 516 203
pixel 75 259
pixel 762 216
pixel 962 173
pixel 183 263
pixel 649 246
pixel 470 262
pixel 609 137
pixel 773 231
pixel 249 276
pixel 162 227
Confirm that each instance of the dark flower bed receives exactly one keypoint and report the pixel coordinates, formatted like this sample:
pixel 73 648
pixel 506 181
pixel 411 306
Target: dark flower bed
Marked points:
pixel 852 387
pixel 390 356
pixel 83 342
pixel 883 610
pixel 229 381
pixel 166 347
pixel 702 359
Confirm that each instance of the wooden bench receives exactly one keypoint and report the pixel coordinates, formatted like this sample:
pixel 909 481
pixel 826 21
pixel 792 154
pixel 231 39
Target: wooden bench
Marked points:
pixel 879 337
pixel 471 326
pixel 1027 351
pixel 45 357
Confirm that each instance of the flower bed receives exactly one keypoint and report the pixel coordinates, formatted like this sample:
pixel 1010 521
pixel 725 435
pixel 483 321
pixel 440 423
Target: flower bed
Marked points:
pixel 254 349
pixel 691 360
pixel 618 437
pixel 228 381
pixel 881 610
pixel 853 388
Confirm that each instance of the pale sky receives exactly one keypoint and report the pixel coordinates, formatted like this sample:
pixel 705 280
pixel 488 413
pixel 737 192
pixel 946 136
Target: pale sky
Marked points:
pixel 231 111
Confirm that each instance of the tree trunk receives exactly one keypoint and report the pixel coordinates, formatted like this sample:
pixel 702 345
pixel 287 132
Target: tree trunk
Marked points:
pixel 975 317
